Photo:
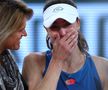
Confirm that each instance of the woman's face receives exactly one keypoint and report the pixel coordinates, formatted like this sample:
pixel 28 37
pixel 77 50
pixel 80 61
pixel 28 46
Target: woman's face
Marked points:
pixel 13 41
pixel 61 27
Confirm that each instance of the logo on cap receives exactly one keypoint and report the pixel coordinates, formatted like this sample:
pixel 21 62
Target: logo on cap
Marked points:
pixel 58 9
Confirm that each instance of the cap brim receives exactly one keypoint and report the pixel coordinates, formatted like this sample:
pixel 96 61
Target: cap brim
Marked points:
pixel 69 18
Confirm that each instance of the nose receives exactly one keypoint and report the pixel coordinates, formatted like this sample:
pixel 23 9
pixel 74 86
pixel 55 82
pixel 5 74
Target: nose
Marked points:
pixel 62 31
pixel 24 33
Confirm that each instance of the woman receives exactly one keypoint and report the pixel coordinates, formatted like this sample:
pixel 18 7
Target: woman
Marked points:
pixel 68 65
pixel 13 17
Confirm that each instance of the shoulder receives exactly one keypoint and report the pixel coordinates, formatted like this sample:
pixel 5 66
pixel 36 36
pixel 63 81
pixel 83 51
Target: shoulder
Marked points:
pixel 35 59
pixel 100 61
pixel 34 56
pixel 33 63
pixel 102 67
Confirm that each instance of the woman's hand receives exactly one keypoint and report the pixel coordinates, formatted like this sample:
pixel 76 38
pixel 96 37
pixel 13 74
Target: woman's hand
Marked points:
pixel 63 47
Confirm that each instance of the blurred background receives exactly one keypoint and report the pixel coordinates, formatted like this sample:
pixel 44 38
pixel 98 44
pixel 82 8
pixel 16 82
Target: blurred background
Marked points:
pixel 94 26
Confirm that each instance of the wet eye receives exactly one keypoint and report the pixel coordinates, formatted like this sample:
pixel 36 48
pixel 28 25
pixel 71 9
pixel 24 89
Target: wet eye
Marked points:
pixel 66 25
pixel 54 28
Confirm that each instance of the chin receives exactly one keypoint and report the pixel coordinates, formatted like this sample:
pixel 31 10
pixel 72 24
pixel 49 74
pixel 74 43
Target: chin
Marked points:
pixel 15 48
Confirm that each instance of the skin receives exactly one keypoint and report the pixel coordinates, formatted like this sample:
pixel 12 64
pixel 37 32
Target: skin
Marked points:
pixel 64 58
pixel 13 41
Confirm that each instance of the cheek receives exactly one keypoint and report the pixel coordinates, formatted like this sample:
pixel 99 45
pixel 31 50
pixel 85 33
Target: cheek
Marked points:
pixel 53 34
pixel 13 40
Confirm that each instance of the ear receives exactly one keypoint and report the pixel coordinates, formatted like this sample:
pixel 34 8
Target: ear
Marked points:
pixel 78 24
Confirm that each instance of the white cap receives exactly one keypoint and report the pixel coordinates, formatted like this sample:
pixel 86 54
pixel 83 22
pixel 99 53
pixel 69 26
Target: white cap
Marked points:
pixel 64 11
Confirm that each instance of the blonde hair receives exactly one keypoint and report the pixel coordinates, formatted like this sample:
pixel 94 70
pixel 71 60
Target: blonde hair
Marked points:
pixel 12 14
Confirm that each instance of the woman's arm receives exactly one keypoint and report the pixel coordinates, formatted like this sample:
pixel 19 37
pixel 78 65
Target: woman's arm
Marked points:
pixel 102 68
pixel 32 73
